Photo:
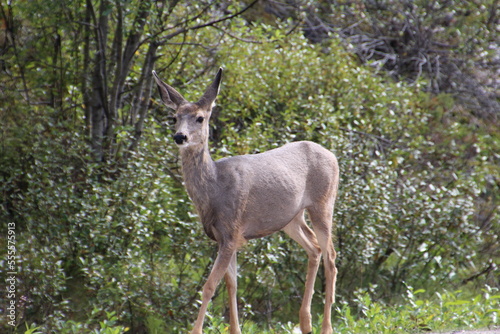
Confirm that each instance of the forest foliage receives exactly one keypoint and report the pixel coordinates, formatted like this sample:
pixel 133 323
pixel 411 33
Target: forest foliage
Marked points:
pixel 405 93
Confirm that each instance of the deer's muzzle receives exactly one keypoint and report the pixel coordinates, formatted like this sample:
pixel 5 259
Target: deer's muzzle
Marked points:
pixel 180 138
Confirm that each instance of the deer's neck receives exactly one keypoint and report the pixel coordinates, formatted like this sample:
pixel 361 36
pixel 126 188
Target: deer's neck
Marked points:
pixel 200 178
pixel 199 175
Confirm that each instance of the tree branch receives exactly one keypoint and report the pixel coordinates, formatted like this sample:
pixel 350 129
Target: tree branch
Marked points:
pixel 10 32
pixel 144 95
pixel 208 24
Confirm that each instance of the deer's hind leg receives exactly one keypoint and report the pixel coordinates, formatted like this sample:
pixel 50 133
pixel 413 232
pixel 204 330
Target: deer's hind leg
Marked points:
pixel 298 230
pixel 321 219
pixel 231 283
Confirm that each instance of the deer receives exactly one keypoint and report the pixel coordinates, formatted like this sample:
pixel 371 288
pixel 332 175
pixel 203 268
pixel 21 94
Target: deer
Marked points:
pixel 244 197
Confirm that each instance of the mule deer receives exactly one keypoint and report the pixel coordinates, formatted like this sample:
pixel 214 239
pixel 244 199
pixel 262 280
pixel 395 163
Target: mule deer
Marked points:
pixel 251 196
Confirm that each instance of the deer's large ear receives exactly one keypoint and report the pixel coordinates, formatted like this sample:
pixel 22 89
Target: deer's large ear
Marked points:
pixel 169 95
pixel 207 100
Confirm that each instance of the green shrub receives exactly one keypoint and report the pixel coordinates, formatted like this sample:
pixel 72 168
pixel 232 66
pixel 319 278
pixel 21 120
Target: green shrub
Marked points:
pixel 121 236
pixel 445 311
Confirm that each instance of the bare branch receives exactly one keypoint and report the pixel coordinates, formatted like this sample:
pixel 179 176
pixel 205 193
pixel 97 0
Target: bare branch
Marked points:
pixel 208 24
pixel 237 37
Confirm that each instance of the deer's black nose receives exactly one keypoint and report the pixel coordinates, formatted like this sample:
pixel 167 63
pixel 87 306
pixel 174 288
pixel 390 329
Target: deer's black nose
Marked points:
pixel 180 138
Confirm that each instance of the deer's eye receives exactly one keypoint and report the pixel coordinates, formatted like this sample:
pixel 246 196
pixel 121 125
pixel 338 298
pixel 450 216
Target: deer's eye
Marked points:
pixel 172 120
pixel 200 119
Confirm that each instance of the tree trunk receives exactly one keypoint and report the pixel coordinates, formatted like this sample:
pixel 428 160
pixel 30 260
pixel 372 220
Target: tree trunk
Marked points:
pixel 99 110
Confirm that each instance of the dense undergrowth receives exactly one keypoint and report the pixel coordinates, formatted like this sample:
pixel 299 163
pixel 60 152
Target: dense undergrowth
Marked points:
pixel 114 244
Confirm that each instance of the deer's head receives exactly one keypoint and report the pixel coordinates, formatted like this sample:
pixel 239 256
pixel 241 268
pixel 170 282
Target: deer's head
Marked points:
pixel 191 119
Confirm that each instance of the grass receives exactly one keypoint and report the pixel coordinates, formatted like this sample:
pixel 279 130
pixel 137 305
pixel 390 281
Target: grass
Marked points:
pixel 416 314
pixel 443 311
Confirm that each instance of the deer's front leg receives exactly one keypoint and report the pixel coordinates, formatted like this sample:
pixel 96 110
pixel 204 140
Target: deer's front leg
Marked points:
pixel 219 269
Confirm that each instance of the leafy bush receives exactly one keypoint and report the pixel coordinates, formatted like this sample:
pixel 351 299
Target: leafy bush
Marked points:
pixel 120 236
pixel 107 326
pixel 446 311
